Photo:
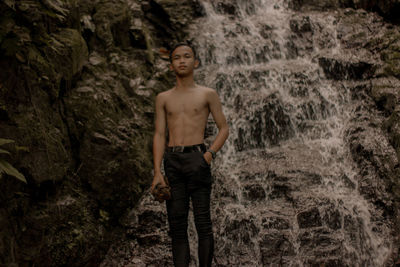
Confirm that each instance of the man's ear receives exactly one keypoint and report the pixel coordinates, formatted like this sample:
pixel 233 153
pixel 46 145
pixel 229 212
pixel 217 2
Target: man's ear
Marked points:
pixel 170 66
pixel 196 63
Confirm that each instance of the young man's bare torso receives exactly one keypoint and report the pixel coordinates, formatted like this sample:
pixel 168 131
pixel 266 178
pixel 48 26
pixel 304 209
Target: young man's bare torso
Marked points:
pixel 186 114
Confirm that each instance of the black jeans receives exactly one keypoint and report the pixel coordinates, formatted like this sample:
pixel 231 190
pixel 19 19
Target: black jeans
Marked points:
pixel 189 176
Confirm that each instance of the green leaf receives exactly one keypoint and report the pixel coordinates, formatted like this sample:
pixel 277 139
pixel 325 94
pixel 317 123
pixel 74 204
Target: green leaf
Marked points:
pixel 5 141
pixel 22 148
pixel 2 151
pixel 10 170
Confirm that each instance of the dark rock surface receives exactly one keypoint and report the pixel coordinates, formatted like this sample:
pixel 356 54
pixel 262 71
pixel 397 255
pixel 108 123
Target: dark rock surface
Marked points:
pixel 310 218
pixel 76 94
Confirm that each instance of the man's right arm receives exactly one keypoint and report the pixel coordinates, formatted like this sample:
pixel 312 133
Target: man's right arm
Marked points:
pixel 159 140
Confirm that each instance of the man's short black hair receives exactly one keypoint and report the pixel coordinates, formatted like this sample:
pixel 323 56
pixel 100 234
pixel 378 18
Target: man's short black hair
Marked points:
pixel 187 43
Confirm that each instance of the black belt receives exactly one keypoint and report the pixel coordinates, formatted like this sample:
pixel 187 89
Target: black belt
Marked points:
pixel 186 149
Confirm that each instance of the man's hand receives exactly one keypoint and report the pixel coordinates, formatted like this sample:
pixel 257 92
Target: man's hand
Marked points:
pixel 158 178
pixel 208 157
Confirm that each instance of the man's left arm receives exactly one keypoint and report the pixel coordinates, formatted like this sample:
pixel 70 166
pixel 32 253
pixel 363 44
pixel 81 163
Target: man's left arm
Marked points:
pixel 223 130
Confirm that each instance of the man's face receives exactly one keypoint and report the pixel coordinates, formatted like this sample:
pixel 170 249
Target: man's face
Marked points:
pixel 183 61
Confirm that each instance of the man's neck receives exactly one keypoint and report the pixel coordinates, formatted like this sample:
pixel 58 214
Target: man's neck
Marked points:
pixel 184 83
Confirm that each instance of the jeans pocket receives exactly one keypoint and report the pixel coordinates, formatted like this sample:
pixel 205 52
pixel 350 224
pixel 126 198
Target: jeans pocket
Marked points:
pixel 205 170
pixel 204 160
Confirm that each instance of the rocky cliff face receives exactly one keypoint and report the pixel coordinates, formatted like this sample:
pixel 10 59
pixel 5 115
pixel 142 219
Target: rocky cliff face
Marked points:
pixel 77 88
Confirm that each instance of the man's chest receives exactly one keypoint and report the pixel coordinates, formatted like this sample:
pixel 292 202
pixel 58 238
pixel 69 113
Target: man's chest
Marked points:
pixel 190 106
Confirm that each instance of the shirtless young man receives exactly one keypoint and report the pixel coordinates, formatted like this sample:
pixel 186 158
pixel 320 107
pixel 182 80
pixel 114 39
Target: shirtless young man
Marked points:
pixel 185 109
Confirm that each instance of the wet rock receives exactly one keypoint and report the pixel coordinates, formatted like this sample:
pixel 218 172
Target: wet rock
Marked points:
pixel 224 8
pixel 171 17
pixel 254 192
pixel 392 126
pixel 280 191
pixel 292 50
pixel 241 230
pixel 322 5
pixel 269 125
pixel 309 218
pixel 346 180
pixel 309 177
pixel 150 221
pixel 341 70
pixel 388 9
pixel 385 94
pixel 327 263
pixel 351 226
pixel 266 31
pixel 233 8
pixel 274 246
pixel 148 240
pixel 388 47
pixel 320 239
pixel 240 56
pixel 275 223
pixel 333 219
pixel 301 41
pixel 301 26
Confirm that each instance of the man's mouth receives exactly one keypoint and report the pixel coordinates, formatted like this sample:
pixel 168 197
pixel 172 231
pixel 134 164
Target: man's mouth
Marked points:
pixel 182 67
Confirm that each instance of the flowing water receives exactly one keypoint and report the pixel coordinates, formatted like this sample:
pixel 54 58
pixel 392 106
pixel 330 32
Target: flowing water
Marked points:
pixel 286 189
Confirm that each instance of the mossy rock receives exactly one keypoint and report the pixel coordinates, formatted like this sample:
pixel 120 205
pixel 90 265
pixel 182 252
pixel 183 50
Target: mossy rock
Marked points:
pixel 69 51
pixel 393 68
pixel 384 99
pixel 392 125
pixel 390 55
pixel 112 20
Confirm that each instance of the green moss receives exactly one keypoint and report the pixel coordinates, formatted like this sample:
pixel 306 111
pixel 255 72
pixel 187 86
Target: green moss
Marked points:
pixel 69 51
pixel 50 13
pixel 392 69
pixel 37 61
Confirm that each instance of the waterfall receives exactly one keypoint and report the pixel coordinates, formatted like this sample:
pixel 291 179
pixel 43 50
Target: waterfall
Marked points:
pixel 286 189
pixel 286 192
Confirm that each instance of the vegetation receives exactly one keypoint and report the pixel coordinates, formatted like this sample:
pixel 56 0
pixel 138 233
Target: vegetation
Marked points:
pixel 6 167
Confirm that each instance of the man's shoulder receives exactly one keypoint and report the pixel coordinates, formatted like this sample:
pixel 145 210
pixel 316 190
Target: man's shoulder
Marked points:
pixel 164 94
pixel 206 89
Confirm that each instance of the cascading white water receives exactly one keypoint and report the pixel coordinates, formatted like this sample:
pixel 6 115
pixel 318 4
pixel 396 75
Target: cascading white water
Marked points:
pixel 285 192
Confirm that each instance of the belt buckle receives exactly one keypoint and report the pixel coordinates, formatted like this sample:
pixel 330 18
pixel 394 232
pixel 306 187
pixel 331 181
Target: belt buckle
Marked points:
pixel 178 149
